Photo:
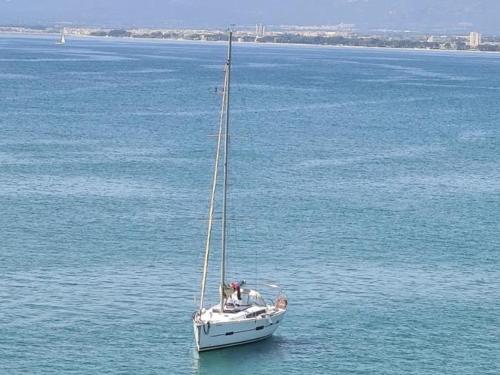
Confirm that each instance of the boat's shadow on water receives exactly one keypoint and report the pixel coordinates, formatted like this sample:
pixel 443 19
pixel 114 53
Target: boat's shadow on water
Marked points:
pixel 238 357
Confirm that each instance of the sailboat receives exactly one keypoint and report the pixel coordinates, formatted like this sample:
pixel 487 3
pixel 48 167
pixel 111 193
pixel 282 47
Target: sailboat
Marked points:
pixel 242 315
pixel 62 40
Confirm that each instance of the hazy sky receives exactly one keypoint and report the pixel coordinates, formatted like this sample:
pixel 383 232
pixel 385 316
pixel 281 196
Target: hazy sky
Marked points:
pixel 482 15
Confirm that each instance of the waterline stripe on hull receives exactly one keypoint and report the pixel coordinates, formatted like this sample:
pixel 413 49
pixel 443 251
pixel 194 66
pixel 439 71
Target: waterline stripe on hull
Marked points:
pixel 233 344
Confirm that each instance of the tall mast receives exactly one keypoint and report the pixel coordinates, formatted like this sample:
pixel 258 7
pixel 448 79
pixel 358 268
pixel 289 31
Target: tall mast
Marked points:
pixel 224 194
pixel 212 198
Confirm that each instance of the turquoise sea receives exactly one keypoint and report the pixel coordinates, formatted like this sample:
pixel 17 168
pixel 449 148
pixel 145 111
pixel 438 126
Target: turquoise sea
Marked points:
pixel 365 181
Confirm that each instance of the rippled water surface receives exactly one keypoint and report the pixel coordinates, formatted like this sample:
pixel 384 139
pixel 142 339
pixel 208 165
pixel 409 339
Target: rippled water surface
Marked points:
pixel 366 181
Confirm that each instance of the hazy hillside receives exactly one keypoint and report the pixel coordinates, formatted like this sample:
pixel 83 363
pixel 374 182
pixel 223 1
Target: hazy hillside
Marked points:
pixel 400 14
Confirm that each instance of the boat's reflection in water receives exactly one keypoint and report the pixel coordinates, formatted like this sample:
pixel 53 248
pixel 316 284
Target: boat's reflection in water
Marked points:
pixel 238 358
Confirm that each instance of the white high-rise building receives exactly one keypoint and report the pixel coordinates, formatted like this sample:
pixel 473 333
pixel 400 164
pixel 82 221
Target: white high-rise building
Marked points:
pixel 260 30
pixel 474 39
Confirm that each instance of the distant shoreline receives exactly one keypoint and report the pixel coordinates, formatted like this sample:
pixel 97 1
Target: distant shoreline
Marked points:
pixel 46 34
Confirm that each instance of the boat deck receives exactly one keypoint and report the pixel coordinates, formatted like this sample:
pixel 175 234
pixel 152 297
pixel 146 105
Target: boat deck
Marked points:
pixel 213 315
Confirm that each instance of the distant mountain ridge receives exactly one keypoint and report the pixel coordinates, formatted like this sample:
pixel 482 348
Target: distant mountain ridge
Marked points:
pixel 365 14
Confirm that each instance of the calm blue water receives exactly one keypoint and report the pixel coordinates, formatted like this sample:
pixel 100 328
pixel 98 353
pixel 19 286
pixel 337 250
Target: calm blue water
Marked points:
pixel 366 181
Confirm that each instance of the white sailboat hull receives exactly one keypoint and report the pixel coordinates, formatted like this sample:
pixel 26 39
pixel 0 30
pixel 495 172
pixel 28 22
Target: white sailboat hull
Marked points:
pixel 217 335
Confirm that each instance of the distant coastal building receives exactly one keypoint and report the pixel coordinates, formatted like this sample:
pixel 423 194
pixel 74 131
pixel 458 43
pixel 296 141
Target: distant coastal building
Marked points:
pixel 474 39
pixel 260 30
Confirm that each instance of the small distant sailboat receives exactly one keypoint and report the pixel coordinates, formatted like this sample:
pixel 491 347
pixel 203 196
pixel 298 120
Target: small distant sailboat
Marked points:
pixel 62 40
pixel 242 316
